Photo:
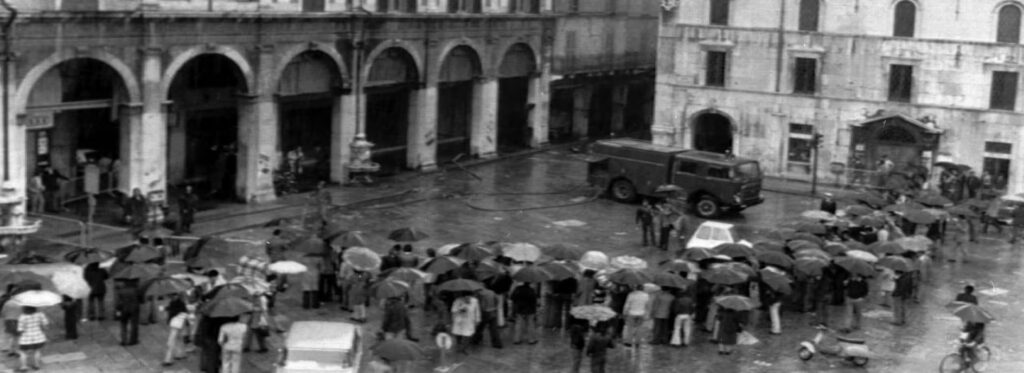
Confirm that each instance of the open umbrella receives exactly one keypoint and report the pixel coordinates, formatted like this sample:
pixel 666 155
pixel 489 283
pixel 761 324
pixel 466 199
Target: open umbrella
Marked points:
pixel 71 284
pixel 142 254
pixel 204 261
pixel 163 286
pixel 812 253
pixel 408 275
pixel 916 243
pixel 563 252
pixel 677 265
pixel 859 210
pixel 870 221
pixel 532 274
pixel 137 271
pixel 628 262
pixel 885 248
pixel 254 285
pixel 447 249
pixel 37 298
pixel 442 264
pixel 736 302
pixel 26 280
pixel 855 266
pixel 460 284
pixel 348 239
pixel 862 255
pixel 933 200
pixel 801 245
pixel 812 228
pixel 362 259
pixel 976 203
pixel 152 233
pixel 228 291
pixel 520 251
pixel 835 248
pixel 227 307
pixel 897 263
pixel 561 270
pixel 628 276
pixel 817 215
pixel 775 258
pixel 919 216
pixel 398 349
pixel 963 210
pixel 408 234
pixel 871 199
pixel 87 255
pixel 488 268
pixel 697 254
pixel 973 313
pixel 855 245
pixel 763 246
pixel 777 280
pixel 804 236
pixel 593 312
pixel 671 280
pixel 781 234
pixel 390 288
pixel 724 276
pixel 287 267
pixel 192 278
pixel 472 252
pixel 810 266
pixel 594 260
pixel 735 250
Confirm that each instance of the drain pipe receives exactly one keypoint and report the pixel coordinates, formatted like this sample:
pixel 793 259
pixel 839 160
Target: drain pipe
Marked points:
pixel 6 90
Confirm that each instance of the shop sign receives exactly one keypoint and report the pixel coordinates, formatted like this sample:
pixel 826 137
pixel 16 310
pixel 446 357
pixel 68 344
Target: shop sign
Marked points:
pixel 38 121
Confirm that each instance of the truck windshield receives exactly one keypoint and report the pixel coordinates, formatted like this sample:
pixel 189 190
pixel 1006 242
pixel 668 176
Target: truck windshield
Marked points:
pixel 749 170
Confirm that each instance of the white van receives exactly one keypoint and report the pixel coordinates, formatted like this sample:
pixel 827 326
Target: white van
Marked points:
pixel 712 233
pixel 321 346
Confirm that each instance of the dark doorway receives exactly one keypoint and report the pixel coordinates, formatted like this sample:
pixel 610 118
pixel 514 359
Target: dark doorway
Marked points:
pixel 513 115
pixel 387 127
pixel 599 125
pixel 713 133
pixel 639 110
pixel 203 130
pixel 561 111
pixel 455 108
pixel 305 138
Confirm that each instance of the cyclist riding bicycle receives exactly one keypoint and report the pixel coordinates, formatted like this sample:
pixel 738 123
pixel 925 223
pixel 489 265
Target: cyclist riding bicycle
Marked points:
pixel 973 337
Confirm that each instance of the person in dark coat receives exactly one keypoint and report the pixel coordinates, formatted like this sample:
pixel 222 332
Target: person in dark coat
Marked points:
pixel 488 301
pixel 597 349
pixel 645 220
pixel 392 260
pixel 128 309
pixel 524 308
pixel 822 295
pixel 72 313
pixel 559 301
pixel 618 303
pixel 1017 222
pixel 207 333
pixel 577 341
pixel 96 277
pixel 828 204
pixel 903 292
pixel 187 206
pixel 396 318
pixel 729 327
pixel 967 296
pixel 138 210
pixel 51 188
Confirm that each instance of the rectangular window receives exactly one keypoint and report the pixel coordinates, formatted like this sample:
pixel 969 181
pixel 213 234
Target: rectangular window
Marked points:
pixel 805 76
pixel 809 10
pixel 901 78
pixel 718 172
pixel 720 12
pixel 688 167
pixel 715 75
pixel 998 147
pixel 1004 90
pixel 798 160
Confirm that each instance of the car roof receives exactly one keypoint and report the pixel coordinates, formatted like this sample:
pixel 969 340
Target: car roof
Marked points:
pixel 715 224
pixel 321 335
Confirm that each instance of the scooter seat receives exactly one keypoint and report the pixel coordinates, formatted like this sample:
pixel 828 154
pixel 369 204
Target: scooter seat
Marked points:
pixel 851 340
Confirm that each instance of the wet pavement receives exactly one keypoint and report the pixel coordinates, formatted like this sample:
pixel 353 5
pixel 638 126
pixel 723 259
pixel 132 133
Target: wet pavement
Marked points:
pixel 543 199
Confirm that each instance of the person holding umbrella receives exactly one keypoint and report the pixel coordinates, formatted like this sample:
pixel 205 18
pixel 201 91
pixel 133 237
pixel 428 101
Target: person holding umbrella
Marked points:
pixel 31 337
pixel 597 348
pixel 524 309
pixel 129 310
pixel 682 314
pixel 903 292
pixel 856 294
pixel 465 317
pixel 396 318
pixel 488 302
pixel 358 294
pixel 645 221
pixel 661 312
pixel 96 277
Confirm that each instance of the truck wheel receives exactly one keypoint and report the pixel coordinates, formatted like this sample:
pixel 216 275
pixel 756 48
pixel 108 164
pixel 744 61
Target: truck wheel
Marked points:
pixel 623 191
pixel 707 207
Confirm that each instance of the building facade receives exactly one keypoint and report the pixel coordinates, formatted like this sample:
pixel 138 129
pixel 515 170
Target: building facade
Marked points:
pixel 914 81
pixel 219 94
pixel 603 69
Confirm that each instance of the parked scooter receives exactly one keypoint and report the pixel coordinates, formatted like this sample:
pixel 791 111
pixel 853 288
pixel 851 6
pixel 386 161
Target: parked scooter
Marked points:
pixel 852 350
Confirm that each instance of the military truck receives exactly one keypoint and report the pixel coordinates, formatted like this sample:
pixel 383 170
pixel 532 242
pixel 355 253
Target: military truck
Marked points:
pixel 711 183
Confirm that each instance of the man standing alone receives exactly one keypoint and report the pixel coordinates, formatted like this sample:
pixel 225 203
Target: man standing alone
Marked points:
pixel 645 219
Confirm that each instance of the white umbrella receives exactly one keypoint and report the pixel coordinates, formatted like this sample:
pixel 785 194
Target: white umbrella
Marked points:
pixel 521 251
pixel 37 298
pixel 862 255
pixel 447 249
pixel 287 267
pixel 69 284
pixel 196 279
pixel 594 260
pixel 628 262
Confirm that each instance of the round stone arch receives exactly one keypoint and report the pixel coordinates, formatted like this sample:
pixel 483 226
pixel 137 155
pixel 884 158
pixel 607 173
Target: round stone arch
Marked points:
pixel 128 77
pixel 704 136
pixel 405 46
pixel 179 61
pixel 486 69
pixel 997 12
pixel 508 45
pixel 293 51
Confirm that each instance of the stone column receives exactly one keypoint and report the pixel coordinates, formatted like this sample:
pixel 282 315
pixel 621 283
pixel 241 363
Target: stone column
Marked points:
pixel 16 135
pixel 422 152
pixel 257 135
pixel 343 130
pixel 484 124
pixel 620 93
pixel 539 100
pixel 144 133
pixel 668 118
pixel 581 111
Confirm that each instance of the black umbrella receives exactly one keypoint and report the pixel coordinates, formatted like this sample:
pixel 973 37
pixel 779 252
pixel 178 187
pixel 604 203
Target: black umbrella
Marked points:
pixel 87 255
pixel 409 234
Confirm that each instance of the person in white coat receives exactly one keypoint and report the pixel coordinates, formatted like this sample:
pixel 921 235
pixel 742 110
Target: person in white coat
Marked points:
pixel 465 317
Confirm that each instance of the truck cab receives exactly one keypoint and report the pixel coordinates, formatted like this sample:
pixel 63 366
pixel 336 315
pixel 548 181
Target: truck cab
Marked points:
pixel 712 183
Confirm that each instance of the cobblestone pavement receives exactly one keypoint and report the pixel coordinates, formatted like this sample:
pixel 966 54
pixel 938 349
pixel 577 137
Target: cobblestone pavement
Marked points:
pixel 508 203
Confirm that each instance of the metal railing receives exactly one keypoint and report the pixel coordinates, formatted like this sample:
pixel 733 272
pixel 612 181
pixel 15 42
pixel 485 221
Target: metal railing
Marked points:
pixel 83 228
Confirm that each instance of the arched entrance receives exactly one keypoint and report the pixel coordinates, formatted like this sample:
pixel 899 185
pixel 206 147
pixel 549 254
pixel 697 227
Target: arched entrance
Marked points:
pixel 203 126
pixel 389 87
pixel 455 103
pixel 515 74
pixel 712 132
pixel 307 95
pixel 73 120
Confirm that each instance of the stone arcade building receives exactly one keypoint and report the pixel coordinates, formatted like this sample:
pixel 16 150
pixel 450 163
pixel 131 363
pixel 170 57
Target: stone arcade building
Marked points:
pixel 920 81
pixel 188 92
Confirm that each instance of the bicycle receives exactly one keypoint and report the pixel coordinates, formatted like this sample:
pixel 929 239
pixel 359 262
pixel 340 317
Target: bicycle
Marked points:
pixel 960 361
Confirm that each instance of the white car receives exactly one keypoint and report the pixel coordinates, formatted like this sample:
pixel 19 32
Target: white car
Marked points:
pixel 321 346
pixel 712 233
